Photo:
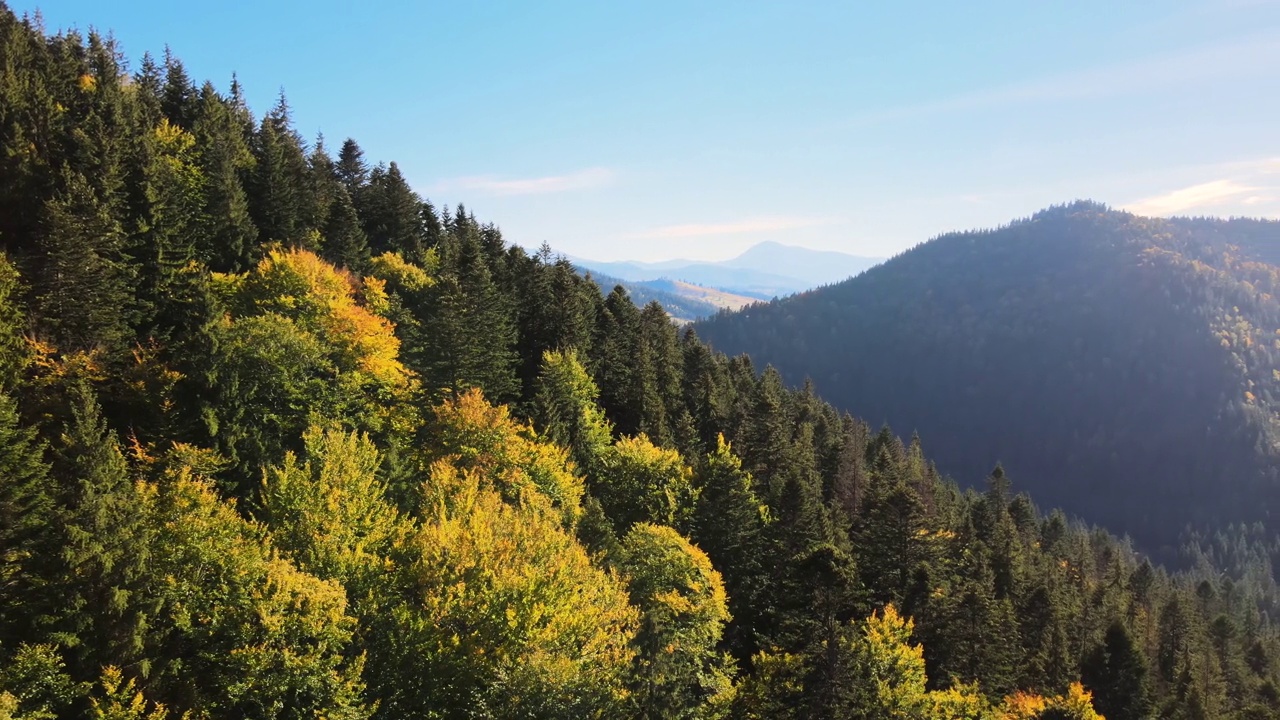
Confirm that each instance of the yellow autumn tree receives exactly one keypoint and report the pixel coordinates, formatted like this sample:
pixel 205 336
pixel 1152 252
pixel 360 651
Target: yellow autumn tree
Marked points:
pixel 889 677
pixel 641 482
pixel 1076 704
pixel 330 511
pixel 300 344
pixel 503 614
pixel 325 301
pixel 679 672
pixel 505 454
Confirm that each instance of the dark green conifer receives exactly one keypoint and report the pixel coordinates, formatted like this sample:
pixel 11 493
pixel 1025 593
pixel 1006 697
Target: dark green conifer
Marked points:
pixel 1116 672
pixel 83 299
pixel 178 98
pixel 392 214
pixel 225 161
pixel 343 242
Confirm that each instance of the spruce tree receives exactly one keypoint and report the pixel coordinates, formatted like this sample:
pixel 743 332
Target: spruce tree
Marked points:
pixel 1116 672
pixel 391 213
pixel 663 350
pixel 178 98
pixel 225 161
pixel 13 346
pixel 472 328
pixel 618 363
pixel 342 241
pixel 279 197
pixel 91 605
pixel 83 297
pixel 351 169
pixel 26 520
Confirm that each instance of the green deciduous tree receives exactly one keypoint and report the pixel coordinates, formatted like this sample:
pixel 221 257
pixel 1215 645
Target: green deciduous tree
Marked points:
pixel 680 672
pixel 641 482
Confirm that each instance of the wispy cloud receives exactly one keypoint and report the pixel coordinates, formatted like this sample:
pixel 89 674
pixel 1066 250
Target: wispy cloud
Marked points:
pixel 1204 195
pixel 579 180
pixel 1253 55
pixel 738 227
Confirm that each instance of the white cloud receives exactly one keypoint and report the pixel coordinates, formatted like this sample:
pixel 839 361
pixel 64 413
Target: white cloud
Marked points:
pixel 579 180
pixel 1204 195
pixel 739 227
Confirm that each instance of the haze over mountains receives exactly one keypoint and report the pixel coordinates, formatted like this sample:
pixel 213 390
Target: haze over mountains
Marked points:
pixel 1124 368
pixel 683 301
pixel 764 271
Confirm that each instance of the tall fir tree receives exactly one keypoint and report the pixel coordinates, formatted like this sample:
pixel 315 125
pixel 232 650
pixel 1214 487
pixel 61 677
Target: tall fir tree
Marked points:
pixel 472 327
pixel 84 298
pixel 391 212
pixel 225 161
pixel 1116 672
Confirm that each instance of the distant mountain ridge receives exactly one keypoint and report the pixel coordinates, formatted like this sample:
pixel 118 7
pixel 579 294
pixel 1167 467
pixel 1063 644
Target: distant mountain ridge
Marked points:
pixel 684 302
pixel 1125 368
pixel 765 271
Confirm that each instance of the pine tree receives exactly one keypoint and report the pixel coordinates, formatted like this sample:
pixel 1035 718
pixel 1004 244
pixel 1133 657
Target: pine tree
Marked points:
pixel 149 84
pixel 83 297
pixel 178 99
pixel 1116 672
pixel 555 312
pixel 891 537
pixel 390 210
pixel 351 169
pixel 225 161
pixel 91 605
pixel 279 188
pixel 13 346
pixel 470 323
pixel 342 241
pixel 705 391
pixel 662 348
pixel 26 518
pixel 618 362
pixel 174 190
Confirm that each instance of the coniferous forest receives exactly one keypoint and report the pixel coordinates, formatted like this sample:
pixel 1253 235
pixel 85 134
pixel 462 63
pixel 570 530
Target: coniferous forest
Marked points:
pixel 281 439
pixel 1127 367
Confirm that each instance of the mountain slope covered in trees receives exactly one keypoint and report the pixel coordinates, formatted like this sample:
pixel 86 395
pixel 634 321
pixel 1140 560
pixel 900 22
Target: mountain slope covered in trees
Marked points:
pixel 1127 367
pixel 279 439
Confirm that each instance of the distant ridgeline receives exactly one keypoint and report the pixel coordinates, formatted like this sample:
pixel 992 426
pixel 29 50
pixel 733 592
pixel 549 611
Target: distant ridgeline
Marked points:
pixel 682 308
pixel 278 439
pixel 1126 369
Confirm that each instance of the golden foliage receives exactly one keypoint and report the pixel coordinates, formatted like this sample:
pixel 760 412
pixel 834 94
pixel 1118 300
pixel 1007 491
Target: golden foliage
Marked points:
pixel 394 268
pixel 1076 704
pixel 322 300
pixel 123 701
pixel 891 676
pixel 640 481
pixel 506 454
pixel 505 592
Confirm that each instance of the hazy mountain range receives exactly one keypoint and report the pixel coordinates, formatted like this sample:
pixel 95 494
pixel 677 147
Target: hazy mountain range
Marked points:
pixel 763 272
pixel 683 301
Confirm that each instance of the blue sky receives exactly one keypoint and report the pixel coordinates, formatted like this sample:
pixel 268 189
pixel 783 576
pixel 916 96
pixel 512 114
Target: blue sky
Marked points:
pixel 695 129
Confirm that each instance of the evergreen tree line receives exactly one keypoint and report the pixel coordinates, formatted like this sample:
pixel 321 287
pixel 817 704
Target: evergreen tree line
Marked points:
pixel 279 439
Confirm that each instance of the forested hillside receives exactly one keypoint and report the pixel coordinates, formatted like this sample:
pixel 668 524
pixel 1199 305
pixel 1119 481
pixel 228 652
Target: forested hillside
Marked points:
pixel 1128 368
pixel 280 439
